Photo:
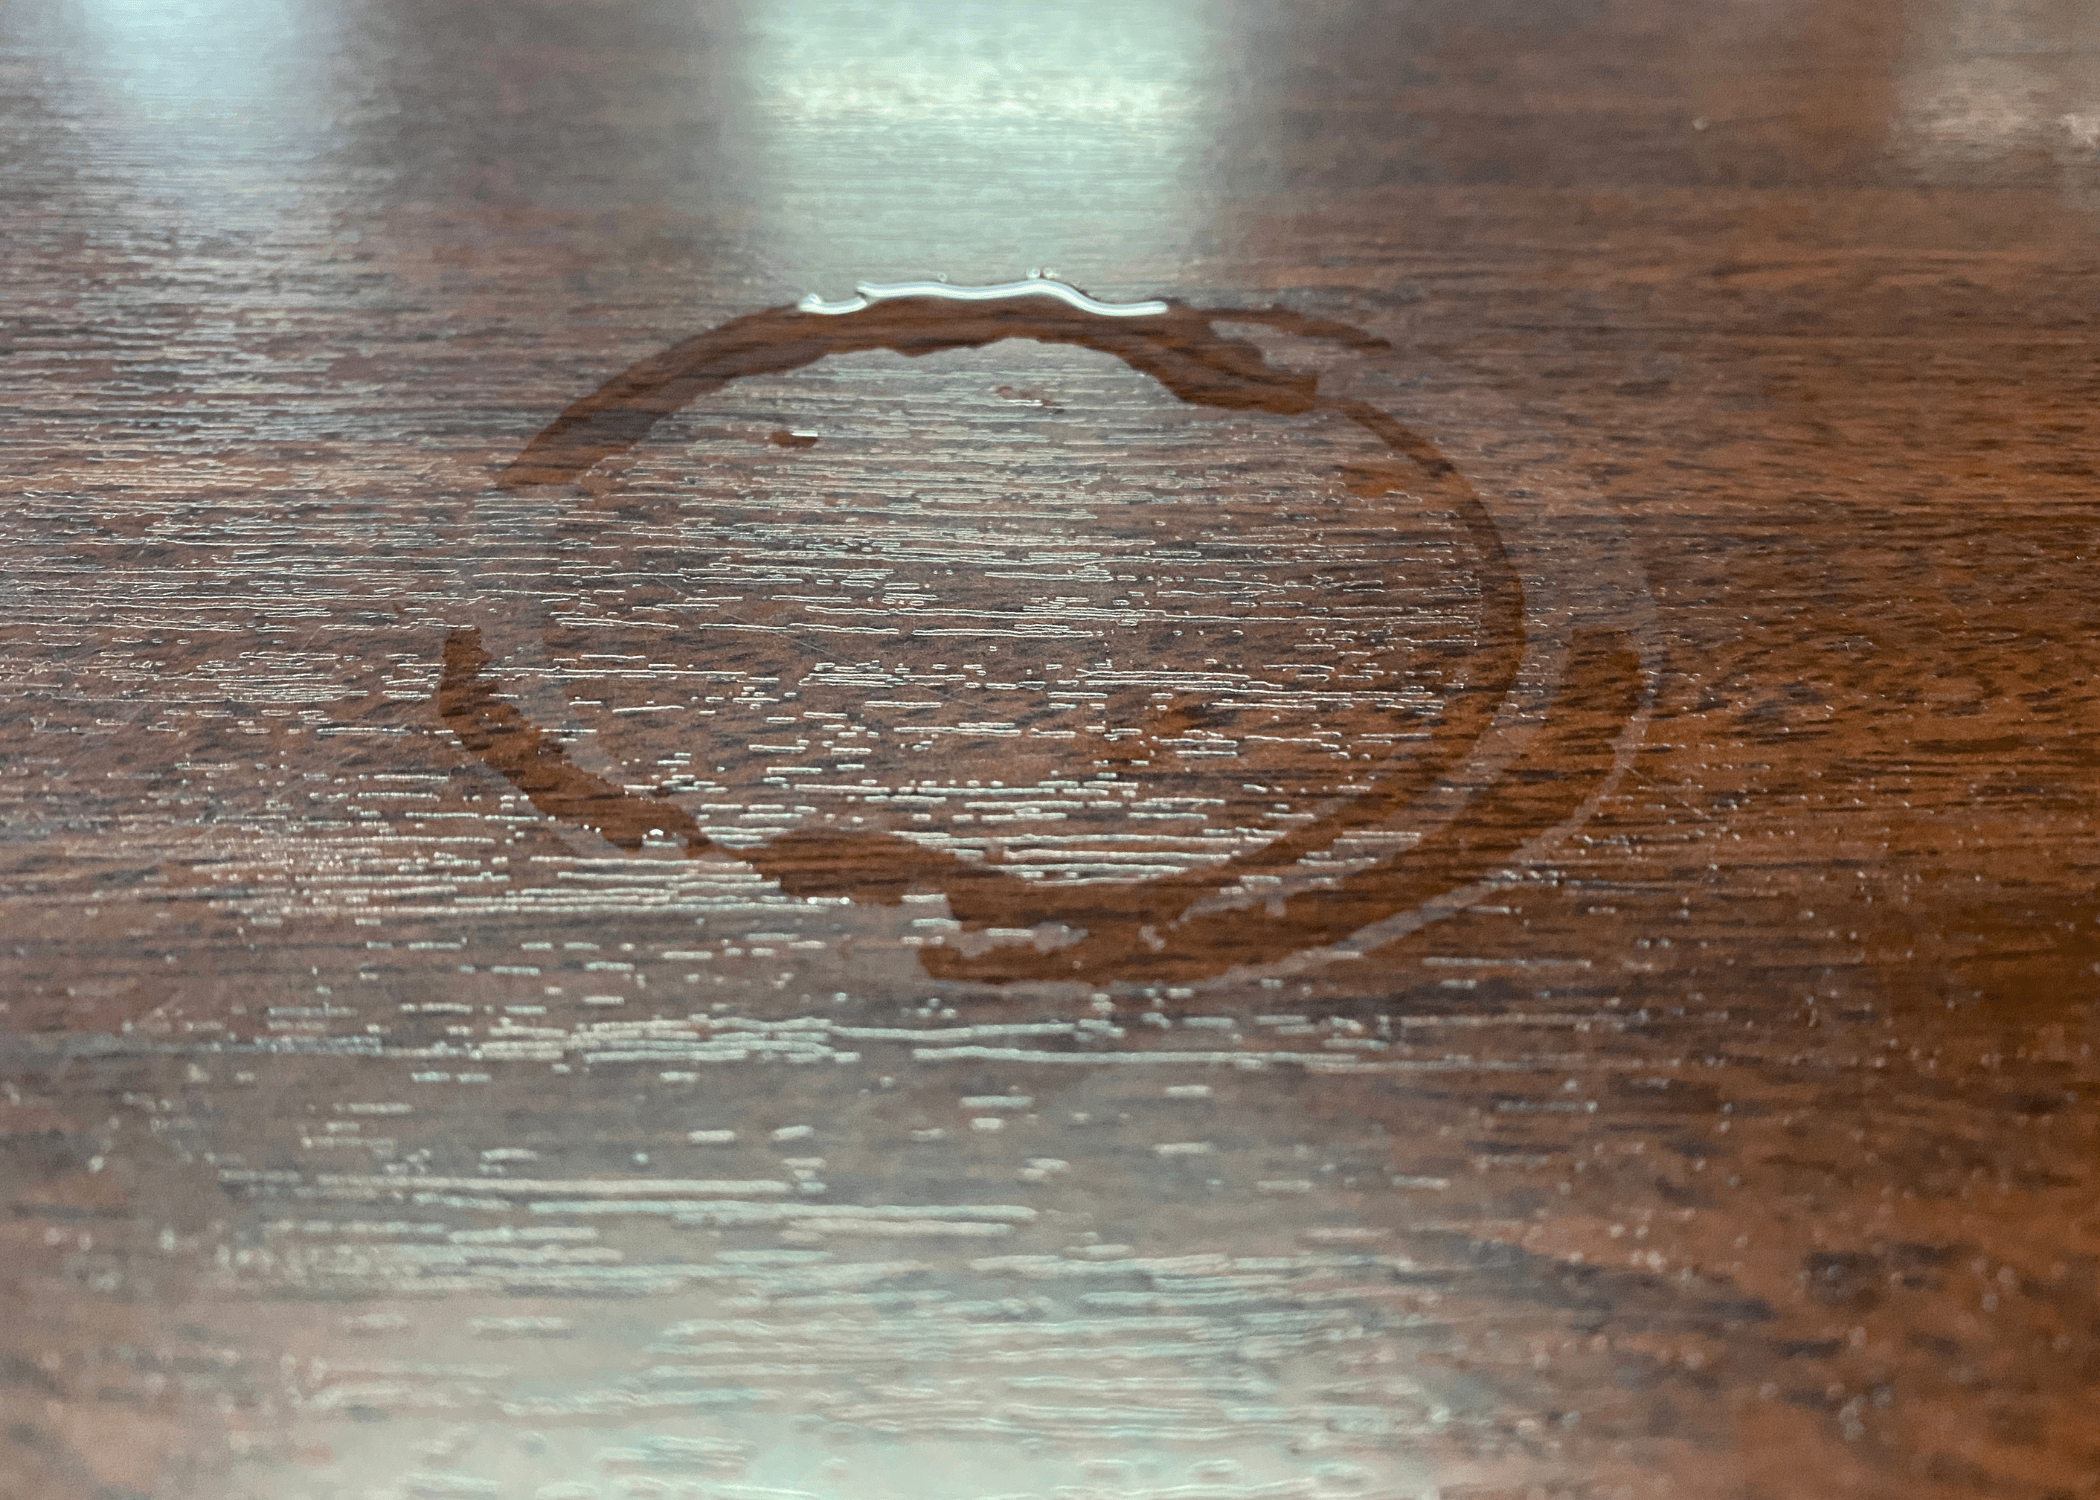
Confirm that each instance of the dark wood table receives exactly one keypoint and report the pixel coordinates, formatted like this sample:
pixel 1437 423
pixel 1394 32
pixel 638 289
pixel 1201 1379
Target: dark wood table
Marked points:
pixel 1441 841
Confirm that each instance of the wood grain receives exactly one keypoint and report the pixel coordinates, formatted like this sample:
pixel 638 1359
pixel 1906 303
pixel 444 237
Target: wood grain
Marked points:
pixel 1463 866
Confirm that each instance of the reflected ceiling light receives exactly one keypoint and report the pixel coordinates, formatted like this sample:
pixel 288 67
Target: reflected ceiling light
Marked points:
pixel 928 61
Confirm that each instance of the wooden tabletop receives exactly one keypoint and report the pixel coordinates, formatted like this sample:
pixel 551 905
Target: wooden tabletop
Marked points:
pixel 1417 818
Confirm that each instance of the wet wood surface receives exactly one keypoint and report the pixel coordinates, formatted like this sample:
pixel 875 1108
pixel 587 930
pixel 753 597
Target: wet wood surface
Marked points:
pixel 1462 864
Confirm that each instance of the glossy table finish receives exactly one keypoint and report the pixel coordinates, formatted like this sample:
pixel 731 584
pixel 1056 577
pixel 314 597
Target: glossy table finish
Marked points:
pixel 1462 865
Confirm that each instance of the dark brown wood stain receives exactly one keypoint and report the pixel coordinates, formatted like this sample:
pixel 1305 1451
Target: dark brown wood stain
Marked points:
pixel 609 888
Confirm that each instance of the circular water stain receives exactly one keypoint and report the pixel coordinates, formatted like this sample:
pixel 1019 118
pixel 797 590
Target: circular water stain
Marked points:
pixel 1154 658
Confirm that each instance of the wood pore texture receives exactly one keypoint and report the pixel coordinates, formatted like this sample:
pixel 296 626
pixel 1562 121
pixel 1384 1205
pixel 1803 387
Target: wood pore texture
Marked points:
pixel 1463 866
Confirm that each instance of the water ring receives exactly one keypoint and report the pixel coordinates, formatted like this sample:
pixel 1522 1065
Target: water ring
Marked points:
pixel 1512 766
